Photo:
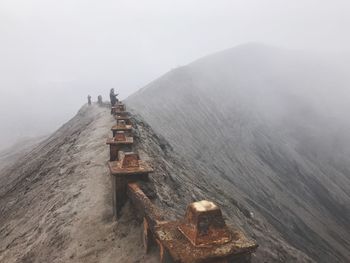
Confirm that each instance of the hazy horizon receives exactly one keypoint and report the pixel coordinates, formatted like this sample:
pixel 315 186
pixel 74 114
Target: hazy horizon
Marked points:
pixel 56 53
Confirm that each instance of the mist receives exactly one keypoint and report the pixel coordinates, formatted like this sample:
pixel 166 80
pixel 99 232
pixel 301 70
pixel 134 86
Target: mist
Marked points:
pixel 268 127
pixel 54 53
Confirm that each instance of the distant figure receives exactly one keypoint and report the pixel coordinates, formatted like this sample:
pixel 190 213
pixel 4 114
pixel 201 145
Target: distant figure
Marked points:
pixel 113 97
pixel 89 99
pixel 99 100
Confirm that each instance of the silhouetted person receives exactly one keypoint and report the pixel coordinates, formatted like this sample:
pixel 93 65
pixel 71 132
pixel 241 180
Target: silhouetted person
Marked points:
pixel 113 98
pixel 89 99
pixel 99 100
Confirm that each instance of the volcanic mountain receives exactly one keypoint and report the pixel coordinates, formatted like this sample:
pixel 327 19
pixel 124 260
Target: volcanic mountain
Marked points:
pixel 260 131
pixel 268 133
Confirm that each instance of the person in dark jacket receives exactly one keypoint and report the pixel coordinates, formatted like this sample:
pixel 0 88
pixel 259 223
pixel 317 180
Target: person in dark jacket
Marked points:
pixel 113 97
pixel 89 99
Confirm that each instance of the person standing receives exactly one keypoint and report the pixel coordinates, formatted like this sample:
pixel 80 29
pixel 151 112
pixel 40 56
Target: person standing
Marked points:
pixel 113 97
pixel 89 99
pixel 114 100
pixel 99 100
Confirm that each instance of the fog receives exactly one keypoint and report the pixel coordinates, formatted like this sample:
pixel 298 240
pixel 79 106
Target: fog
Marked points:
pixel 54 53
pixel 273 125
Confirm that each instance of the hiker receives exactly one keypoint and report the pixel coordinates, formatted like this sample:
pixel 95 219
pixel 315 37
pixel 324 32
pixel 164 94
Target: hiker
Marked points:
pixel 89 99
pixel 99 100
pixel 113 97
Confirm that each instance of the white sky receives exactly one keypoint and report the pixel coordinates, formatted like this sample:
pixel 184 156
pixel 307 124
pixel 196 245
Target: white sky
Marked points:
pixel 54 53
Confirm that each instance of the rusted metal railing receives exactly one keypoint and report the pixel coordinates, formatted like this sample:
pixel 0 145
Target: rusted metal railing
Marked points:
pixel 121 117
pixel 119 108
pixel 122 141
pixel 121 126
pixel 129 168
pixel 202 236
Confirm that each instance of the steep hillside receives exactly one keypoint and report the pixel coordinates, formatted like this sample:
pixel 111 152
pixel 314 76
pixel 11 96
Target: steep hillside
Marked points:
pixel 254 129
pixel 266 130
pixel 55 201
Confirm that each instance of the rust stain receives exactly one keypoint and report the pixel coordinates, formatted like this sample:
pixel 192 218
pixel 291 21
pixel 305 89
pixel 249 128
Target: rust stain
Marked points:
pixel 208 240
pixel 121 137
pixel 203 224
pixel 203 236
pixel 153 216
pixel 129 163
pixel 119 108
pixel 182 249
pixel 121 126
pixel 123 117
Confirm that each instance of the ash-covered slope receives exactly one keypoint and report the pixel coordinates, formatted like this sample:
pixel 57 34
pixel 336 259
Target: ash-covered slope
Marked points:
pixel 9 155
pixel 265 131
pixel 56 200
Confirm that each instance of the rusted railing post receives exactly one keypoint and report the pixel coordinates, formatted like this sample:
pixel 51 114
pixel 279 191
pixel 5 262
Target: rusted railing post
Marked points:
pixel 121 126
pixel 128 169
pixel 120 142
pixel 201 236
pixel 119 108
pixel 121 117
pixel 205 237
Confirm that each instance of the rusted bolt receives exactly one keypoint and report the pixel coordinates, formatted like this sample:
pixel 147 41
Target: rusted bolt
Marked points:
pixel 128 169
pixel 121 123
pixel 122 141
pixel 121 107
pixel 202 236
pixel 130 160
pixel 204 225
pixel 120 136
pixel 121 126
pixel 123 117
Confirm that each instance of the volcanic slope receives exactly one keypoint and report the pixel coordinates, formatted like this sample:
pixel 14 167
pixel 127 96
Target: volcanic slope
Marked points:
pixel 266 133
pixel 56 200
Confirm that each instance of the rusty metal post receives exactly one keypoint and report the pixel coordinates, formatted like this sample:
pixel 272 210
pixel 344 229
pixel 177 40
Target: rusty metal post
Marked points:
pixel 121 126
pixel 202 236
pixel 128 169
pixel 204 225
pixel 119 108
pixel 121 117
pixel 146 209
pixel 119 194
pixel 122 141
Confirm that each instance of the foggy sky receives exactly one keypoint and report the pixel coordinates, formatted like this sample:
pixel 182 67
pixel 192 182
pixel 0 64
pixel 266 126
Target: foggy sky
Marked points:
pixel 54 53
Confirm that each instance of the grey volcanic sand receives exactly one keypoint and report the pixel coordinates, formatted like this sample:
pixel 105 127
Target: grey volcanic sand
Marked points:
pixel 55 203
pixel 267 134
